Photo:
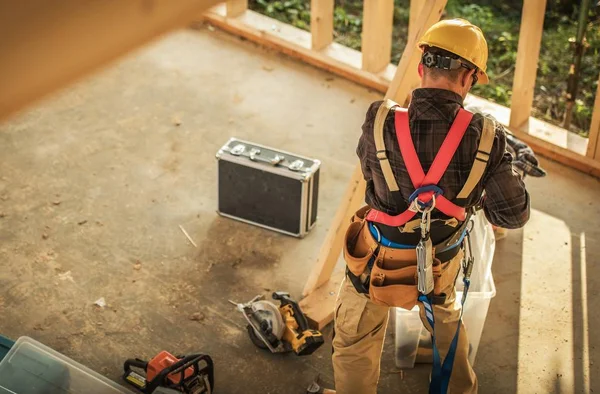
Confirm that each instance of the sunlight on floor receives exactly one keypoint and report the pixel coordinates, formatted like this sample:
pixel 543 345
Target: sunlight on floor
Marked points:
pixel 585 351
pixel 546 316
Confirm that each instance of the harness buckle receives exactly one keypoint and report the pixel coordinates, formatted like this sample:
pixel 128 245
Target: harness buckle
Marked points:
pixel 417 205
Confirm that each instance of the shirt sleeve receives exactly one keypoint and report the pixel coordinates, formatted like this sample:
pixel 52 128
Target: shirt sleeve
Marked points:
pixel 366 143
pixel 506 202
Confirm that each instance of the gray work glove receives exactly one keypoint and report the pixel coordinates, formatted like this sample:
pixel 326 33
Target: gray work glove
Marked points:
pixel 525 160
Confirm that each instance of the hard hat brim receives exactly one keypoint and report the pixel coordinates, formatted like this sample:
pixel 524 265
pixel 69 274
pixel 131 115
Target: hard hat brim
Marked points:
pixel 483 78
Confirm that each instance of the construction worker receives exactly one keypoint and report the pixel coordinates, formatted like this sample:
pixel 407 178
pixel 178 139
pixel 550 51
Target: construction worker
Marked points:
pixel 417 206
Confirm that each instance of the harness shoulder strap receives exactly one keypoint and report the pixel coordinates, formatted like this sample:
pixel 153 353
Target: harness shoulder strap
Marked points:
pixel 407 148
pixel 378 126
pixel 444 155
pixel 481 158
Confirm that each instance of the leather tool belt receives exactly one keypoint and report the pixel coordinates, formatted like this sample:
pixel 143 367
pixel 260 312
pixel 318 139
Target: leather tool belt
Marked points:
pixel 389 275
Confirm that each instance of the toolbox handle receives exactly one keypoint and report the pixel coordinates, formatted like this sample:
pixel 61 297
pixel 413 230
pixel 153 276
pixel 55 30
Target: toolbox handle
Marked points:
pixel 254 155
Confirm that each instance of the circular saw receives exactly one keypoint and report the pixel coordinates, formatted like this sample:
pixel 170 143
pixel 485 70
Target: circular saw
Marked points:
pixel 279 329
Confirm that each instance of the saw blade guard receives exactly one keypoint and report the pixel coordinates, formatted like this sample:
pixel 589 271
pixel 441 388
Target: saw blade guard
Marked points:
pixel 269 312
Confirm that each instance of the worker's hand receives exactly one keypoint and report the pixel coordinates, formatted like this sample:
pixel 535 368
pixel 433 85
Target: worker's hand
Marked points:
pixel 525 160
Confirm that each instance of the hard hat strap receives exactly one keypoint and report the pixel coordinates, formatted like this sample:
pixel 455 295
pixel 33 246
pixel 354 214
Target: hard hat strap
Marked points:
pixel 431 60
pixel 438 61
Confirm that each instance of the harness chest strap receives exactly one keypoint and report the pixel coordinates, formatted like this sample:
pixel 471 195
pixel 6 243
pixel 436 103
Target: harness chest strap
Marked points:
pixel 441 162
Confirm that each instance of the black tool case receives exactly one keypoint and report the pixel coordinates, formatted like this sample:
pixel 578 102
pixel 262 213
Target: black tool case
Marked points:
pixel 267 187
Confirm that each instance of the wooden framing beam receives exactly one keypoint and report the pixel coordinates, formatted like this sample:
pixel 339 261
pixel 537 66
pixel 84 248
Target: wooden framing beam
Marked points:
pixel 406 76
pixel 321 23
pixel 415 10
pixel 416 6
pixel 528 54
pixel 378 21
pixel 593 150
pixel 319 305
pixel 332 246
pixel 45 45
pixel 236 8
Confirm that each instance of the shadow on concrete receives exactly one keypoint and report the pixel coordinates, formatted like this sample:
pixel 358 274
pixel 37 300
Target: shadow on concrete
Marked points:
pixel 497 359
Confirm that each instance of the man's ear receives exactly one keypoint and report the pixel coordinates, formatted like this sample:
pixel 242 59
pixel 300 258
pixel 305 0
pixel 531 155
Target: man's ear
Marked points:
pixel 420 68
pixel 467 79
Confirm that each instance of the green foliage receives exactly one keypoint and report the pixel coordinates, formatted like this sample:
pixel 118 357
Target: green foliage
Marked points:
pixel 500 22
pixel 293 12
pixel 347 22
pixel 502 35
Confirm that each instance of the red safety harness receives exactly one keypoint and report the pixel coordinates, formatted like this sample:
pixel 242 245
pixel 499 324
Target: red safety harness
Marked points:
pixel 427 193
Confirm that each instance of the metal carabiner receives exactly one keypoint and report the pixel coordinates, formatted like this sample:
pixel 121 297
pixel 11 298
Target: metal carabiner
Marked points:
pixel 416 207
pixel 468 259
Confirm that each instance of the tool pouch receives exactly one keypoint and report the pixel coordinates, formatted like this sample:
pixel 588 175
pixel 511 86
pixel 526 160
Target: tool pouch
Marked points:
pixel 445 274
pixel 357 252
pixel 393 283
pixel 357 248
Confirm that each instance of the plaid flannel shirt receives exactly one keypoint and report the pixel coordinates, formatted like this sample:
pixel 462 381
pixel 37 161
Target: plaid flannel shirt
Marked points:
pixel 431 112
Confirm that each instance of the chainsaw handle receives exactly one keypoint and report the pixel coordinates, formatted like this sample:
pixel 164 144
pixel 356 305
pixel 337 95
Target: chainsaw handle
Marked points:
pixel 285 299
pixel 135 363
pixel 178 368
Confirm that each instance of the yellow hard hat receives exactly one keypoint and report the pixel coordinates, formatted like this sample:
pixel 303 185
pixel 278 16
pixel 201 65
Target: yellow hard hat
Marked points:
pixel 462 38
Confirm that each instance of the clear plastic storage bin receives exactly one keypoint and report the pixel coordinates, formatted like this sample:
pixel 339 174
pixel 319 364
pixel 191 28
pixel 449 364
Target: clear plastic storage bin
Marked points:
pixel 412 340
pixel 32 368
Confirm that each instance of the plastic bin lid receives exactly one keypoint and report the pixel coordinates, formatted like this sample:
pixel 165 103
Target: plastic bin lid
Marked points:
pixel 33 368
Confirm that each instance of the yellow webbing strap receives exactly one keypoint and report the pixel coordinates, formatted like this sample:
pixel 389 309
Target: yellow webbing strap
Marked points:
pixel 481 158
pixel 380 118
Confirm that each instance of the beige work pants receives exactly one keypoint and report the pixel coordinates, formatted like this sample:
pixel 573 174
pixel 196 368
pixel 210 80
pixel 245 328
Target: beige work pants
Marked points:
pixel 360 330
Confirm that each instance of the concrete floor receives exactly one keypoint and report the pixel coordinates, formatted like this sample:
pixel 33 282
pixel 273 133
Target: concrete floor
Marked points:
pixel 95 182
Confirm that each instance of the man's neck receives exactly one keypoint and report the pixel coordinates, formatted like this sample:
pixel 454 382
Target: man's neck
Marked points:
pixel 441 84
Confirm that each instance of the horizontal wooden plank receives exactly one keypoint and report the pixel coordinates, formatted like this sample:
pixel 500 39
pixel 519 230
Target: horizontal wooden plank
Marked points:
pixel 45 45
pixel 295 42
pixel 559 154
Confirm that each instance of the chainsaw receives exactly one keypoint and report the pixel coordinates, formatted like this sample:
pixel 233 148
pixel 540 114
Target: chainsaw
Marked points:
pixel 167 373
pixel 279 329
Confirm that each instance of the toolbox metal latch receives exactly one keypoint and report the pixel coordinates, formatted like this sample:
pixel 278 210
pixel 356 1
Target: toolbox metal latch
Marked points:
pixel 238 149
pixel 296 165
